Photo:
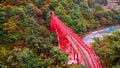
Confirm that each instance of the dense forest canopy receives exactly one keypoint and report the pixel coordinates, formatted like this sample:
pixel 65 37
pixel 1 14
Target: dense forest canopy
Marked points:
pixel 108 49
pixel 25 40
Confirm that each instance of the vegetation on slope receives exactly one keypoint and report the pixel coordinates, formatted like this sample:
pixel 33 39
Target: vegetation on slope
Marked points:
pixel 25 40
pixel 108 49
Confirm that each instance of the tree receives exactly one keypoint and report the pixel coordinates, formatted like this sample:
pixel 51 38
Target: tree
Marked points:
pixel 2 14
pixel 104 2
pixel 109 48
pixel 91 3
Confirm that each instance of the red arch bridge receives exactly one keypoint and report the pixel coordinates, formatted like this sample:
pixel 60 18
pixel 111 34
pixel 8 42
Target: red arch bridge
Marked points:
pixel 69 42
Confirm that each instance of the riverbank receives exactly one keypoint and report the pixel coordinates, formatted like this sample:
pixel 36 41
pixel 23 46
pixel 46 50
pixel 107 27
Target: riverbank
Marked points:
pixel 102 28
pixel 99 33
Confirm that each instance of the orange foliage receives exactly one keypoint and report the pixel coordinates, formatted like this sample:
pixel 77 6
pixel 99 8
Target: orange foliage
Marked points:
pixel 103 20
pixel 10 26
pixel 37 11
pixel 64 12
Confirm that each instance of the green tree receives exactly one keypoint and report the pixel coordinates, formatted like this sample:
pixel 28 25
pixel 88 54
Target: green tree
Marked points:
pixel 2 14
pixel 91 3
pixel 104 2
pixel 109 48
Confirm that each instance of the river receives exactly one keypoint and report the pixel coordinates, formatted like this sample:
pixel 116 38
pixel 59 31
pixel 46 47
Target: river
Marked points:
pixel 89 38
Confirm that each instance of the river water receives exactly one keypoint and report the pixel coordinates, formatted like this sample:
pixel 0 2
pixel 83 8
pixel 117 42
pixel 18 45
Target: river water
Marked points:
pixel 89 38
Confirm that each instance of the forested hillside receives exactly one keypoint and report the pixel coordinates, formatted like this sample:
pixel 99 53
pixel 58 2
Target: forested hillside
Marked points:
pixel 108 49
pixel 25 40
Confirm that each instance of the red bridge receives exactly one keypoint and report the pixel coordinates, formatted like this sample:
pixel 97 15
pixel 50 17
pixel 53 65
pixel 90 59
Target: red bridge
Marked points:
pixel 69 42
